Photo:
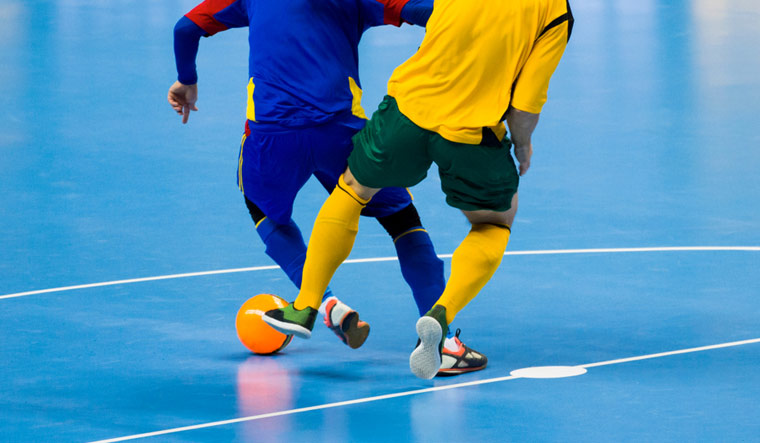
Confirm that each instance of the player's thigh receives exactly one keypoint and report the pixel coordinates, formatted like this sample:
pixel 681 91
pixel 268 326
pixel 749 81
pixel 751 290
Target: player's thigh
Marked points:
pixel 329 146
pixel 476 177
pixel 272 168
pixel 386 202
pixel 391 151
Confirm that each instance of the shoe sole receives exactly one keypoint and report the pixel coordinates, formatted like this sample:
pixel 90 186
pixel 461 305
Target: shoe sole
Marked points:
pixel 355 334
pixel 425 360
pixel 458 371
pixel 287 328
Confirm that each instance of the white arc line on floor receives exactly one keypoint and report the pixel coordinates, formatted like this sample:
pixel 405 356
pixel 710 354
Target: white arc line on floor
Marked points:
pixel 410 393
pixel 381 259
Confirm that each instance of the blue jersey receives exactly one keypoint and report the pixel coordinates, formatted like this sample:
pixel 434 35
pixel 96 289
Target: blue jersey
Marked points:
pixel 303 63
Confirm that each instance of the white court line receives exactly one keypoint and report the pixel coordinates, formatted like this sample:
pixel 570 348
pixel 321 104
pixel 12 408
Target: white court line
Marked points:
pixel 381 259
pixel 409 393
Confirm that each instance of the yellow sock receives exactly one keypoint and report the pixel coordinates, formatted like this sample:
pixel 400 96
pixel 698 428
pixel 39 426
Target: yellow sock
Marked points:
pixel 472 265
pixel 330 244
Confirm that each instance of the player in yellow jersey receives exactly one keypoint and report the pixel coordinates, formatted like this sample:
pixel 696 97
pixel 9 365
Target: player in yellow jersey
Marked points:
pixel 480 63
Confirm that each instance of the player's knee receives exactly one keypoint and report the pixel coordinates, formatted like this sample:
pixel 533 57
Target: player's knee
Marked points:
pixel 512 211
pixel 362 191
pixel 484 216
pixel 402 221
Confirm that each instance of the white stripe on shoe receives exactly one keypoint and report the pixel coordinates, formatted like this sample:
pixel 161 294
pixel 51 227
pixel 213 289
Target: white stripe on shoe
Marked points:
pixel 287 327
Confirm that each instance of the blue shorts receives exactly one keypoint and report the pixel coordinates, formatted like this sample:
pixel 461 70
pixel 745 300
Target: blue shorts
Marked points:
pixel 276 162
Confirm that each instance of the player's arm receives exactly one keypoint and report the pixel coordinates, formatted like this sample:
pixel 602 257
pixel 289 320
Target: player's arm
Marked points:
pixel 395 12
pixel 521 126
pixel 206 19
pixel 184 92
pixel 529 92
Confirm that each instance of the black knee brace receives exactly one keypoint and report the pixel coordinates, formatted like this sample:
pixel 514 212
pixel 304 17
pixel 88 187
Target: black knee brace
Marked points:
pixel 401 221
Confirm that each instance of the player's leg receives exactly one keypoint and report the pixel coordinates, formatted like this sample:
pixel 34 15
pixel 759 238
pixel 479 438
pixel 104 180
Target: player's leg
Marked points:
pixel 338 316
pixel 420 266
pixel 275 163
pixel 331 241
pixel 283 243
pixel 269 192
pixel 273 166
pixel 478 256
pixel 472 265
pixel 482 182
pixel 423 272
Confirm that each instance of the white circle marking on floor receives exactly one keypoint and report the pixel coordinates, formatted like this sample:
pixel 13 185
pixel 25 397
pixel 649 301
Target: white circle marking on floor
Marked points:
pixel 548 372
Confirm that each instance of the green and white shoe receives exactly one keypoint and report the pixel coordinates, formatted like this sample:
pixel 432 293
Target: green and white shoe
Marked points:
pixel 290 320
pixel 425 360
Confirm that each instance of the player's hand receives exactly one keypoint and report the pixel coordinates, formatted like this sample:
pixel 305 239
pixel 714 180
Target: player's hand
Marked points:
pixel 182 98
pixel 523 154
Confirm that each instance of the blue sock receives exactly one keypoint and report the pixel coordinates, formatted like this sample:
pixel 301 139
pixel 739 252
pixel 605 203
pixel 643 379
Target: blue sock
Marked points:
pixel 421 268
pixel 285 245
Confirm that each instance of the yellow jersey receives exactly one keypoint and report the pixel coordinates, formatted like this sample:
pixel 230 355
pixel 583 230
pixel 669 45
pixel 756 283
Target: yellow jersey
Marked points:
pixel 477 58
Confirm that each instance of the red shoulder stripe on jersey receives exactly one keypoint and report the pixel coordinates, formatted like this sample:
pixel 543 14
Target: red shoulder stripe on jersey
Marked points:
pixel 392 11
pixel 203 15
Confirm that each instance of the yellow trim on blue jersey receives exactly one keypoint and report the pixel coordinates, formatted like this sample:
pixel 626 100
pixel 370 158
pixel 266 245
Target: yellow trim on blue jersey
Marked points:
pixel 259 222
pixel 240 165
pixel 409 232
pixel 356 104
pixel 251 110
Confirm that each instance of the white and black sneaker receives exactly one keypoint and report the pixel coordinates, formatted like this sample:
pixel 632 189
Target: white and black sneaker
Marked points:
pixel 458 358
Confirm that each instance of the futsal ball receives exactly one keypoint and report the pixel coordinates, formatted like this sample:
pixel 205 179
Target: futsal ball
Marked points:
pixel 256 335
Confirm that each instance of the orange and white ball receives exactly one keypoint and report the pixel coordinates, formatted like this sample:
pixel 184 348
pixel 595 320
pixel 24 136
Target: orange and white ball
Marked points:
pixel 256 335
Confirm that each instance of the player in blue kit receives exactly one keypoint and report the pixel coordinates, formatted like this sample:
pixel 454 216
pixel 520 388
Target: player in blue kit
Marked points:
pixel 304 105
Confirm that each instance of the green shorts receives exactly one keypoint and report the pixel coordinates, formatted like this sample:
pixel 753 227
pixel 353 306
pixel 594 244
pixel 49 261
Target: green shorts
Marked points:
pixel 393 151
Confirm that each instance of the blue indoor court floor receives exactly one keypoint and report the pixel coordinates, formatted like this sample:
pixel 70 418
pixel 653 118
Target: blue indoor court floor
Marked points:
pixel 126 249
